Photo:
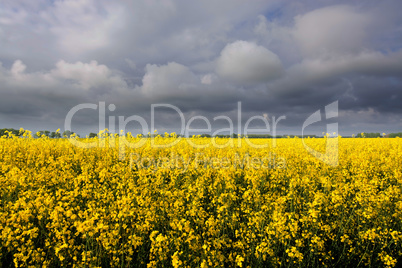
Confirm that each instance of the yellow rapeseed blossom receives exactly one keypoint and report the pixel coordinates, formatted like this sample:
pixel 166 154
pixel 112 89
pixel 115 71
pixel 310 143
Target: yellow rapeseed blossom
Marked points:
pixel 199 203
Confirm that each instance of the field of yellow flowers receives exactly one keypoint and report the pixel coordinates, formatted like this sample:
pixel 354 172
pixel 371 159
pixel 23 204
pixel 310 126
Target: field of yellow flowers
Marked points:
pixel 199 206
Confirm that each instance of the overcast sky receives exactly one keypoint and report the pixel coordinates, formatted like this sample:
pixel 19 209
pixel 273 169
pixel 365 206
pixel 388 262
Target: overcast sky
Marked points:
pixel 278 58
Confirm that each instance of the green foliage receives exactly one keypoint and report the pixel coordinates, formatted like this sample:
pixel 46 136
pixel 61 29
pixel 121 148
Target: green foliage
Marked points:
pixel 368 135
pixel 55 135
pixel 43 133
pixel 92 135
pixel 5 131
pixel 394 135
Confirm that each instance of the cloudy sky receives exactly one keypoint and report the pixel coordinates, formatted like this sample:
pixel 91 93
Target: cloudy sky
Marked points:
pixel 277 58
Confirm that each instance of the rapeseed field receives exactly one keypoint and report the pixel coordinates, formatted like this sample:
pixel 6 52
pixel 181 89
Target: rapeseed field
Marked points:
pixel 199 203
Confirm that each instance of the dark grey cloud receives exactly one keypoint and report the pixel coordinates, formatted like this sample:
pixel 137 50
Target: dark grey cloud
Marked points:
pixel 276 58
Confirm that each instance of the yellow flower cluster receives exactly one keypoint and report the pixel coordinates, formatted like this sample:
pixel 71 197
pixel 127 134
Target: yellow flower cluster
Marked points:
pixel 201 202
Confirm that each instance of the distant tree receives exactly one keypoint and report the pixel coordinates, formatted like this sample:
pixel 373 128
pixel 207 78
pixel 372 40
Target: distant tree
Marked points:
pixel 39 134
pixel 55 135
pixel 394 135
pixel 222 136
pixel 259 136
pixel 6 131
pixel 43 132
pixel 67 133
pixel 92 135
pixel 368 135
pixel 21 132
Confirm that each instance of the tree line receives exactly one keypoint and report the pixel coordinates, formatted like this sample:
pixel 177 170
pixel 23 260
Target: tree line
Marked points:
pixel 378 135
pixel 68 133
pixel 47 133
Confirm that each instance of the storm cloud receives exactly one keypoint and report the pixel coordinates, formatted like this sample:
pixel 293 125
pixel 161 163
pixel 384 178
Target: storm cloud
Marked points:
pixel 276 58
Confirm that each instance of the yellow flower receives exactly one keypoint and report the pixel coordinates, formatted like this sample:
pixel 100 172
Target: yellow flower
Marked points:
pixel 239 261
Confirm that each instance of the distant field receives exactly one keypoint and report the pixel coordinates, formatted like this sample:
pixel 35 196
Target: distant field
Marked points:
pixel 187 206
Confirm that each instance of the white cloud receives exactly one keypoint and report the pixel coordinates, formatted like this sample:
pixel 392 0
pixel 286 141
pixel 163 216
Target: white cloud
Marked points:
pixel 167 79
pixel 247 62
pixel 143 31
pixel 369 63
pixel 77 77
pixel 331 30
pixel 271 31
pixel 262 27
pixel 18 68
pixel 208 79
pixel 82 26
pixel 88 75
